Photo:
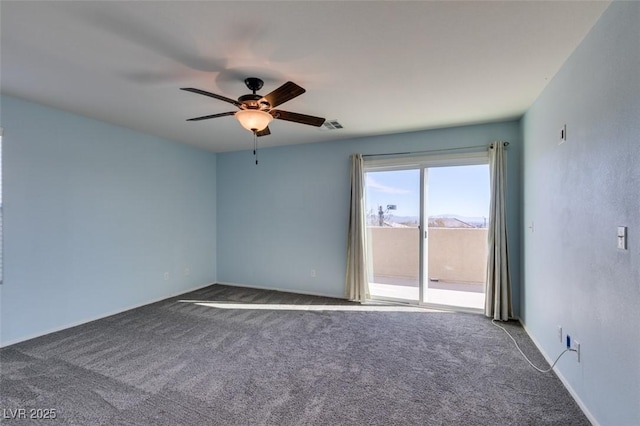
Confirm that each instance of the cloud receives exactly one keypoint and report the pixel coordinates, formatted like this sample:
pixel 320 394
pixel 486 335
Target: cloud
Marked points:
pixel 377 186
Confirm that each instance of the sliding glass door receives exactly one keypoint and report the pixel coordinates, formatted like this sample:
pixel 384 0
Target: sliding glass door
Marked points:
pixel 456 210
pixel 393 224
pixel 427 229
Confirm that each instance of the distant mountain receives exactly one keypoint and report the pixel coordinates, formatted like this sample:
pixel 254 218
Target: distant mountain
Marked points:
pixel 474 220
pixel 477 222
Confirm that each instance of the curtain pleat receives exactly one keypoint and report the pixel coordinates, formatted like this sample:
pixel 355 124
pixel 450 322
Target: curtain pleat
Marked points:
pixel 357 280
pixel 498 286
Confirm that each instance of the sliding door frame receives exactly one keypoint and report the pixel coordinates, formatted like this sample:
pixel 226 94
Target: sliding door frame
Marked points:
pixel 423 163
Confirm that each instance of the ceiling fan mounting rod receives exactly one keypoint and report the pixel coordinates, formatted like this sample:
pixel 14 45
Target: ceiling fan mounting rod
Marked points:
pixel 254 84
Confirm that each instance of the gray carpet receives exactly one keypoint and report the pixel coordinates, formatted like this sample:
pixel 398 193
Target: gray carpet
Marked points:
pixel 180 363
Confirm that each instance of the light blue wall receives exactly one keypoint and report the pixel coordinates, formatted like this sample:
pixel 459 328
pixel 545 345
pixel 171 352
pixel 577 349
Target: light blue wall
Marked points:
pixel 94 215
pixel 577 194
pixel 289 214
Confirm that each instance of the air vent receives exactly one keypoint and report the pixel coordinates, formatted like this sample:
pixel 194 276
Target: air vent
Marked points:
pixel 331 125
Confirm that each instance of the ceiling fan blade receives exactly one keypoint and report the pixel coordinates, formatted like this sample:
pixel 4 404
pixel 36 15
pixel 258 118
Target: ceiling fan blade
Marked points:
pixel 264 132
pixel 206 117
pixel 213 95
pixel 284 93
pixel 297 118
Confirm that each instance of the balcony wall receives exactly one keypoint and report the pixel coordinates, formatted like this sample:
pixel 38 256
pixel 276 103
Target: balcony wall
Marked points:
pixel 455 254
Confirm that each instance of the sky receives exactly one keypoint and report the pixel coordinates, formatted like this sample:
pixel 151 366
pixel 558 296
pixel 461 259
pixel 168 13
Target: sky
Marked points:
pixel 459 190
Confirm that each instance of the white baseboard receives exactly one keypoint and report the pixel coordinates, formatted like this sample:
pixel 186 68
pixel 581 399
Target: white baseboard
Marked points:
pixel 97 317
pixel 284 290
pixel 564 381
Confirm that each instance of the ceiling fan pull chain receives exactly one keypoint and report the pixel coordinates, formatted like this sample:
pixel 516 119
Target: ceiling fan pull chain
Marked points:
pixel 255 145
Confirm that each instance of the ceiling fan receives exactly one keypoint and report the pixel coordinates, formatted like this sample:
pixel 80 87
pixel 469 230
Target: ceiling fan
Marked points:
pixel 256 111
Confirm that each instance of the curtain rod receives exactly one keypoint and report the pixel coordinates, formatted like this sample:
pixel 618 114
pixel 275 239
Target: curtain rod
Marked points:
pixel 433 150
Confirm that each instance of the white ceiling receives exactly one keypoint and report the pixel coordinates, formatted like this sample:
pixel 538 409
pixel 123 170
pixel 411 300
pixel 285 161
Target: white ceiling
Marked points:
pixel 377 67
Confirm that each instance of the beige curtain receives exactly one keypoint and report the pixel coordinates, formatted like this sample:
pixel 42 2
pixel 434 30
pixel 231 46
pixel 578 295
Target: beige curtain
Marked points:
pixel 357 281
pixel 498 287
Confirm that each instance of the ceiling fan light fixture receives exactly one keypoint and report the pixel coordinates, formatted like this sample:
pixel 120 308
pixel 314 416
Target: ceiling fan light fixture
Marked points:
pixel 254 120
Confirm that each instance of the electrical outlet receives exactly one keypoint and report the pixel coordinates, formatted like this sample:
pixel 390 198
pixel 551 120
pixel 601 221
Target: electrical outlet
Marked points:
pixel 187 272
pixel 563 134
pixel 166 276
pixel 560 333
pixel 313 273
pixel 576 346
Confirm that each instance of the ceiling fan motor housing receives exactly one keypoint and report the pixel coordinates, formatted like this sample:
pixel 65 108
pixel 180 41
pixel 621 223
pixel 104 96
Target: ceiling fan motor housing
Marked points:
pixel 254 102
